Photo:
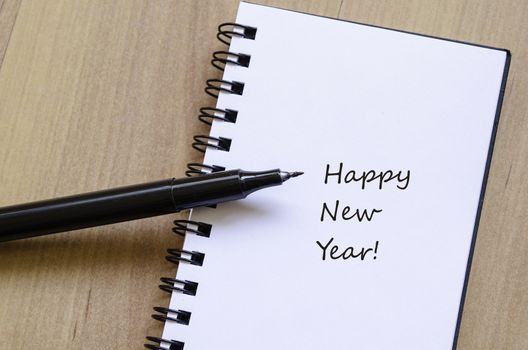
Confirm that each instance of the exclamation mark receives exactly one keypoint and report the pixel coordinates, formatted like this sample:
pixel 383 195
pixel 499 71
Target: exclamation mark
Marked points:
pixel 376 250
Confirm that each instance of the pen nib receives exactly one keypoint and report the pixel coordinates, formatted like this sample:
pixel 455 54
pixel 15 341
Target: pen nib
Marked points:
pixel 287 175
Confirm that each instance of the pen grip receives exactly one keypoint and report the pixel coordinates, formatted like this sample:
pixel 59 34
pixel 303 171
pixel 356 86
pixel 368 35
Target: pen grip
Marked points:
pixel 86 210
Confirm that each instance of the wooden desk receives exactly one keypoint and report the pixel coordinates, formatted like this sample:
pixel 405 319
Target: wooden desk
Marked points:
pixel 101 93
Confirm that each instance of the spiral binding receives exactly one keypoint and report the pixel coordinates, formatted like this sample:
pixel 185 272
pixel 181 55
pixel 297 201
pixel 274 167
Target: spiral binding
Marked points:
pixel 202 142
pixel 214 87
pixel 198 169
pixel 173 344
pixel 207 114
pixel 175 285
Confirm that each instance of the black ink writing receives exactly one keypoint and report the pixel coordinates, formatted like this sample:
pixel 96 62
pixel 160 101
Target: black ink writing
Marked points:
pixel 334 252
pixel 347 214
pixel 380 178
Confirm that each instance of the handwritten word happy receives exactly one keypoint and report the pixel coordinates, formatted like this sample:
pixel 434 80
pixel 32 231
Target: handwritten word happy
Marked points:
pixel 378 178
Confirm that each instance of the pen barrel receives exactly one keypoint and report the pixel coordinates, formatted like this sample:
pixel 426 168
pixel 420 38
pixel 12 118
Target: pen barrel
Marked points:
pixel 86 210
pixel 130 203
pixel 207 190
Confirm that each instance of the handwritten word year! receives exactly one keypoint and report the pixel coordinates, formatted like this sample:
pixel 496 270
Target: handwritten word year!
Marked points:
pixel 363 178
pixel 333 251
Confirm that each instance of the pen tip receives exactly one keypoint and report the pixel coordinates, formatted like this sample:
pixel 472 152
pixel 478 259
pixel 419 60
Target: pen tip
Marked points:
pixel 288 175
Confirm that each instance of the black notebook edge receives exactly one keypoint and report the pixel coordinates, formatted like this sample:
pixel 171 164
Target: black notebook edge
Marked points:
pixel 490 148
pixel 482 192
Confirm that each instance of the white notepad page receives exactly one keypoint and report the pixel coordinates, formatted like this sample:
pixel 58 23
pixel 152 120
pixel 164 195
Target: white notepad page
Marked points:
pixel 322 92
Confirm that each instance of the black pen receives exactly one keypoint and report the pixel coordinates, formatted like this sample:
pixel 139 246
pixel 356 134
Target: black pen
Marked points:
pixel 133 202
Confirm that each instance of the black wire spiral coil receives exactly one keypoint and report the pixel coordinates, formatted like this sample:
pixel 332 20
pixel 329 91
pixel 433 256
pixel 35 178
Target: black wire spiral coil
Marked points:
pixel 173 344
pixel 214 87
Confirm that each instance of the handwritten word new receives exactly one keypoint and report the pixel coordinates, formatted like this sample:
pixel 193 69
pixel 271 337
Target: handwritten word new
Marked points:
pixel 347 214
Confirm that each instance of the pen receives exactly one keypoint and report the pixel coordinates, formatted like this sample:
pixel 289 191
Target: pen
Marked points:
pixel 133 202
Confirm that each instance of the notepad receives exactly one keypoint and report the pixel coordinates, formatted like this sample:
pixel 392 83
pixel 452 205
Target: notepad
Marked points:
pixel 371 248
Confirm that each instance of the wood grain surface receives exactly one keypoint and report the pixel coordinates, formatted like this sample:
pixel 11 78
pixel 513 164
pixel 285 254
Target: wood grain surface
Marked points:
pixel 98 93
